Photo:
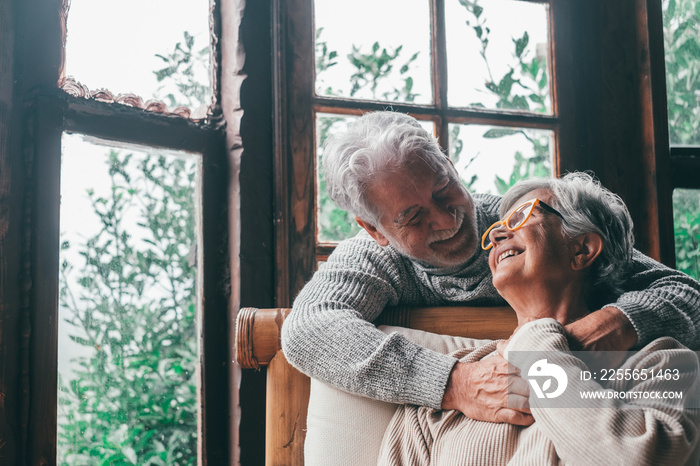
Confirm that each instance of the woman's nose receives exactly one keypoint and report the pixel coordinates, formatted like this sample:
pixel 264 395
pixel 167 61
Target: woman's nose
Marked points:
pixel 499 233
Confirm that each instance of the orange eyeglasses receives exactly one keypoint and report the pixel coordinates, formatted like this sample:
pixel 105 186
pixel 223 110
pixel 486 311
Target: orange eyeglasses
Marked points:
pixel 517 219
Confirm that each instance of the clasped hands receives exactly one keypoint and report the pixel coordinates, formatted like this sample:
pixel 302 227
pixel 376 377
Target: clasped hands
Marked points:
pixel 492 389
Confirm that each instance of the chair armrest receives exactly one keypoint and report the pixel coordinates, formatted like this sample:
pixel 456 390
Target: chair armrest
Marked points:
pixel 258 336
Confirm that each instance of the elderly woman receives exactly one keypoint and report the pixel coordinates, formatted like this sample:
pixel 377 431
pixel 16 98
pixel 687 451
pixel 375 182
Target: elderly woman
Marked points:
pixel 561 249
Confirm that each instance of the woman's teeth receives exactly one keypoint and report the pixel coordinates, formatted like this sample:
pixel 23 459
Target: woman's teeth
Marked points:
pixel 507 253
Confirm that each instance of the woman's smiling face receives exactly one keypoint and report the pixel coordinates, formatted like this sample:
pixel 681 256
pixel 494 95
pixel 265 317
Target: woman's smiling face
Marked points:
pixel 536 253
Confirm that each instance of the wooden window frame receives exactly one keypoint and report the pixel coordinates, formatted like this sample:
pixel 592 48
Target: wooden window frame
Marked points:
pixel 38 113
pixel 296 106
pixel 679 166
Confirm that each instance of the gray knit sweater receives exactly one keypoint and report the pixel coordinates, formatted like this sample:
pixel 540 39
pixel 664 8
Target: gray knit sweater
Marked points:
pixel 329 334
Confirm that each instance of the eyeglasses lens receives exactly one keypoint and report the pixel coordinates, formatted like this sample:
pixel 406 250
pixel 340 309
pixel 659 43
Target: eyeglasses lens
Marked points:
pixel 519 216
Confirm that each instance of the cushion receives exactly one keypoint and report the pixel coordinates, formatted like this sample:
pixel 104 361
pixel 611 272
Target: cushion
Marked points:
pixel 347 429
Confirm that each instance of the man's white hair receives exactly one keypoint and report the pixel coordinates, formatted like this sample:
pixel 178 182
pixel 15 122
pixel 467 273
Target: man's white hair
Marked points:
pixel 375 143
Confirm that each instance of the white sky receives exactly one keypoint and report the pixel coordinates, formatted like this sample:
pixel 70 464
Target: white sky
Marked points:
pixel 112 43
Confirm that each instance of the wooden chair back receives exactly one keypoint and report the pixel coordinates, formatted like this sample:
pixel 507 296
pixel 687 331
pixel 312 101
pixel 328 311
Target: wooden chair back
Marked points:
pixel 287 393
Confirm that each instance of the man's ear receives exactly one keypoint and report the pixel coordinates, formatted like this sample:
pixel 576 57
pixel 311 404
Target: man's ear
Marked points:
pixel 586 249
pixel 373 232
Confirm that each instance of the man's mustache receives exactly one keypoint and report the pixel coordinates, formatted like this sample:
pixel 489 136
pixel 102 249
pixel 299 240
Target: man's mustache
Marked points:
pixel 443 235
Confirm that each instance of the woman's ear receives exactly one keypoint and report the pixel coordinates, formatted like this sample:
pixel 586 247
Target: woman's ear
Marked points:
pixel 586 249
pixel 373 232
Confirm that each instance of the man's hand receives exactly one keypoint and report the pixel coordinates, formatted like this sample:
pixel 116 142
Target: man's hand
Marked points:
pixel 481 391
pixel 607 331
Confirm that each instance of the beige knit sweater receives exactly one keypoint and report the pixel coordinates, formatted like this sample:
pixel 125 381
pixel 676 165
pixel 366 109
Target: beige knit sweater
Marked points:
pixel 587 432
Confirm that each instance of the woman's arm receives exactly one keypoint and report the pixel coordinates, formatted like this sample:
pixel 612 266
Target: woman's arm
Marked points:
pixel 615 421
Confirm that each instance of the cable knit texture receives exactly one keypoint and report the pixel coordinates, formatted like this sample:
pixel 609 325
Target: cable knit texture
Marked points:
pixel 329 334
pixel 587 432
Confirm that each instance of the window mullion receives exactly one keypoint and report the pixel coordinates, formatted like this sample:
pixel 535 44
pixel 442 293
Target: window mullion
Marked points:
pixel 438 47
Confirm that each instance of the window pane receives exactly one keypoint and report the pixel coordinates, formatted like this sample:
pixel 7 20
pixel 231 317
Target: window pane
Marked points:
pixel 491 159
pixel 682 50
pixel 363 55
pixel 497 54
pixel 128 314
pixel 156 49
pixel 333 223
pixel 686 225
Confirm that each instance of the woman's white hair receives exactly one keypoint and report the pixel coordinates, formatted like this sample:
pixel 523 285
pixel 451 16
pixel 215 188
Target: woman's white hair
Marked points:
pixel 375 143
pixel 588 207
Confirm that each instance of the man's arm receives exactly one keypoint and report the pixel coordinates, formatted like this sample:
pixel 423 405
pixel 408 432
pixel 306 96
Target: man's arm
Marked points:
pixel 329 334
pixel 658 301
pixel 488 390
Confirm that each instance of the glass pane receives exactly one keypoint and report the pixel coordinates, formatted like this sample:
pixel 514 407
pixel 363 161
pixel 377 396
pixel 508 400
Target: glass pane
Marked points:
pixel 333 223
pixel 491 159
pixel 497 55
pixel 686 225
pixel 128 312
pixel 156 49
pixel 362 55
pixel 682 50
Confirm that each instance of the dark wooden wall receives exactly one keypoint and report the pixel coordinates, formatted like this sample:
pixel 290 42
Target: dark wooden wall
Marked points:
pixel 257 225
pixel 30 57
pixel 11 178
pixel 616 131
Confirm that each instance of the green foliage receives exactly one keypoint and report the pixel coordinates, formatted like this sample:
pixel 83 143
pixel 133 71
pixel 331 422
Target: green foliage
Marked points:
pixel 375 66
pixel 682 51
pixel 325 58
pixel 371 69
pixel 132 395
pixel 524 168
pixel 179 78
pixel 456 148
pixel 686 222
pixel 334 223
pixel 523 87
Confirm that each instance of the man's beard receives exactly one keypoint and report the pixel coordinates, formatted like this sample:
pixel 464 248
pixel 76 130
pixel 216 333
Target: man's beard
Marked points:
pixel 443 235
pixel 437 259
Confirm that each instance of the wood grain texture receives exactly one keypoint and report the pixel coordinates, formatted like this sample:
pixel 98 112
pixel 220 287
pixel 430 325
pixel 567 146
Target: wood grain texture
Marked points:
pixel 258 331
pixel 285 423
pixel 10 243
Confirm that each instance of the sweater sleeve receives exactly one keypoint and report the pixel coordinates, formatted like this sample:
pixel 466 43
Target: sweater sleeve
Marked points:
pixel 329 334
pixel 660 301
pixel 628 429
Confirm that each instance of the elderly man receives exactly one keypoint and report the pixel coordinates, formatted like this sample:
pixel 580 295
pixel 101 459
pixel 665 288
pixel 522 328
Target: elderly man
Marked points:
pixel 420 247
